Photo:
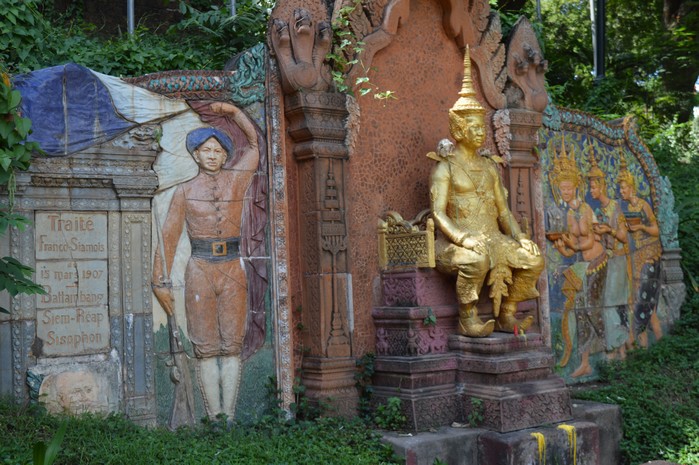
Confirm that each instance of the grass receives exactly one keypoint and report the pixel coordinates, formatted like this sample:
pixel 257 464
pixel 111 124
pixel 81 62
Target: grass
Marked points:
pixel 91 439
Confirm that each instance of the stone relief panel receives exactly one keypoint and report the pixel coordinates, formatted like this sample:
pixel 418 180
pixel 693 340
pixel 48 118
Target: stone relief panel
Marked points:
pixel 106 203
pixel 608 264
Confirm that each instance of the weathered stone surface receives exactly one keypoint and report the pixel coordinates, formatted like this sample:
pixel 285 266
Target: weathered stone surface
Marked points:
pixel 455 446
pixel 581 447
pixel 73 331
pixel 607 417
pixel 462 446
pixel 520 405
pixel 71 236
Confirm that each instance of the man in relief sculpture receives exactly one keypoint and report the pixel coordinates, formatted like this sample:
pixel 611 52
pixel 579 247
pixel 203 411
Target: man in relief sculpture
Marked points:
pixel 73 392
pixel 479 235
pixel 211 207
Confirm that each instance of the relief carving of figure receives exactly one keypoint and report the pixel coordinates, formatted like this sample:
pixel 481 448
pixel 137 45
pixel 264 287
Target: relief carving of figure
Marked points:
pixel 478 234
pixel 645 257
pixel 209 208
pixel 585 278
pixel 611 227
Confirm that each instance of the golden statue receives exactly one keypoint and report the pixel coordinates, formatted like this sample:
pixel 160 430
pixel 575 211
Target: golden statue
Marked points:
pixel 478 234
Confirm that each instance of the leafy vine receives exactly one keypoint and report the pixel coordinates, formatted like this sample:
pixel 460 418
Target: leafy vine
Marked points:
pixel 15 154
pixel 345 54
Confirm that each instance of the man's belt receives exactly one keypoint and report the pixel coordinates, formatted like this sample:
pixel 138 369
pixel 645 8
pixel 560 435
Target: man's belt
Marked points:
pixel 216 250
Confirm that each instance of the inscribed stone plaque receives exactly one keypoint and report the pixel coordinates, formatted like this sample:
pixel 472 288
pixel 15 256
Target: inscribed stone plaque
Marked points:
pixel 73 331
pixel 71 235
pixel 70 284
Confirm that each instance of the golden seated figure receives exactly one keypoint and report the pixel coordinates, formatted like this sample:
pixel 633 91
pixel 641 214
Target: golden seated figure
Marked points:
pixel 478 236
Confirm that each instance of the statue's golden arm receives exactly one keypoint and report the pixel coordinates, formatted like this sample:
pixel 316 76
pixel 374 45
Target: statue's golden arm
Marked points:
pixel 506 220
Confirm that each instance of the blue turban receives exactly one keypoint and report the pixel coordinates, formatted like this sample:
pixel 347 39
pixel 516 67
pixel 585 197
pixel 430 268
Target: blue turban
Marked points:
pixel 197 137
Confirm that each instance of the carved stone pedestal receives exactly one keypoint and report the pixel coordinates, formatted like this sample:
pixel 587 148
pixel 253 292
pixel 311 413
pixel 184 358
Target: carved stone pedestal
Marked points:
pixel 511 377
pixel 412 360
pixel 425 385
pixel 330 382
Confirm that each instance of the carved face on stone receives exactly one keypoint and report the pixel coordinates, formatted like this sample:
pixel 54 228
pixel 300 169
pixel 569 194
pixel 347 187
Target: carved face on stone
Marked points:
pixel 73 392
pixel 596 188
pixel 626 190
pixel 567 189
pixel 210 156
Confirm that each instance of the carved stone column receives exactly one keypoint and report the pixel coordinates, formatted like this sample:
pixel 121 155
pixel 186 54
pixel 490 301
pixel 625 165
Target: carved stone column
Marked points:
pixel 317 127
pixel 520 180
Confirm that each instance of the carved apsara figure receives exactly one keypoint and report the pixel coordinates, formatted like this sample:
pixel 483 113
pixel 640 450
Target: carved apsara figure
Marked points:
pixel 645 257
pixel 585 278
pixel 210 208
pixel 478 234
pixel 611 228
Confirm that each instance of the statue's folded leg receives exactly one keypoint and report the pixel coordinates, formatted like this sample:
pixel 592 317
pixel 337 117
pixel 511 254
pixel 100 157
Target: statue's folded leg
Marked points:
pixel 471 269
pixel 525 273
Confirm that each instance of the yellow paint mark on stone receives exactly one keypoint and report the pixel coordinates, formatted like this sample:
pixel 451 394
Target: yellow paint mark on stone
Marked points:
pixel 541 441
pixel 572 440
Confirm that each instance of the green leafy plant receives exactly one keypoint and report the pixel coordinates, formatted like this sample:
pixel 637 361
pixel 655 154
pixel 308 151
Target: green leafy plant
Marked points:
pixel 346 54
pixel 389 416
pixel 15 154
pixel 113 440
pixel 362 378
pixel 430 319
pixel 46 454
pixel 476 412
pixel 34 36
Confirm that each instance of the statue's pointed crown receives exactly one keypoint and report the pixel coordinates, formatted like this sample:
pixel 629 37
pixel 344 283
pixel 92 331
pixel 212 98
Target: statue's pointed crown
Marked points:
pixel 467 102
pixel 564 167
pixel 624 173
pixel 595 171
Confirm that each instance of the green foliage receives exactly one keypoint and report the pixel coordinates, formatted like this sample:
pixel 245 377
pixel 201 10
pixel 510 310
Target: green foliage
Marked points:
pixel 389 416
pixel 15 154
pixel 46 454
pixel 430 319
pixel 362 378
pixel 475 412
pixel 675 147
pixel 218 34
pixel 650 66
pixel 30 40
pixel 658 391
pixel 303 409
pixel 113 440
pixel 346 53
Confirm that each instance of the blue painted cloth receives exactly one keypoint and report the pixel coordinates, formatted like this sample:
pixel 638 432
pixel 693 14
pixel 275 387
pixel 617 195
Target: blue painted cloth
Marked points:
pixel 198 136
pixel 70 109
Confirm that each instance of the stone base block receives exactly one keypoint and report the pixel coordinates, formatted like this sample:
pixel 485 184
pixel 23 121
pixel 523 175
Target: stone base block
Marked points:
pixel 516 406
pixel 413 373
pixel 496 343
pixel 330 383
pixel 425 385
pixel 497 370
pixel 592 440
pixel 403 330
pixel 607 417
pixel 578 444
pixel 424 408
pixel 454 446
